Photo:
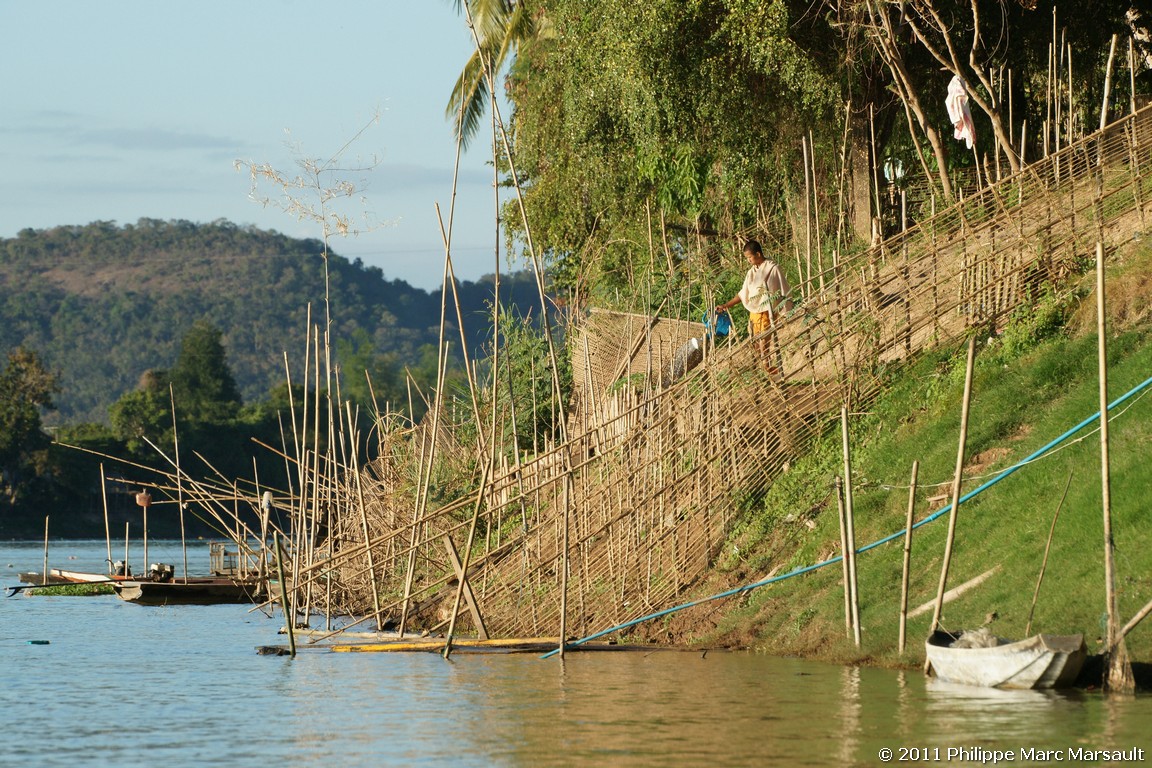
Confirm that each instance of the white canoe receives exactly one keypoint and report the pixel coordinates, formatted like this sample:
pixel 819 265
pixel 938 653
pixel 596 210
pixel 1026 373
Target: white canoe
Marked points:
pixel 1040 661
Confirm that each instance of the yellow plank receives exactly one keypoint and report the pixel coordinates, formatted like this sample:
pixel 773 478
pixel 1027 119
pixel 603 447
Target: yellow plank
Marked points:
pixel 435 645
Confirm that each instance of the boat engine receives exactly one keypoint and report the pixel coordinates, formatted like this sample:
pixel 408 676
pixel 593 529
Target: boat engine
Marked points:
pixel 161 572
pixel 120 568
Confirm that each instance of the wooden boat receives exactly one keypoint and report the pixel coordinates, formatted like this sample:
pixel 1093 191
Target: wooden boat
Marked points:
pixel 37 578
pixel 192 591
pixel 83 577
pixel 1041 661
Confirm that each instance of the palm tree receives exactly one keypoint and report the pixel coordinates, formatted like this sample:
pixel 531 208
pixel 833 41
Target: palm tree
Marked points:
pixel 501 27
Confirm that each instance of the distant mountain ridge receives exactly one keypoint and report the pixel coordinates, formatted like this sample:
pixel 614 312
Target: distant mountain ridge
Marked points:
pixel 103 303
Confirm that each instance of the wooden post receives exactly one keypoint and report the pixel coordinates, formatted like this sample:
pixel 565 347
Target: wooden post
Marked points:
pixel 144 500
pixel 289 619
pixel 907 556
pixel 127 567
pixel 955 487
pixel 1119 675
pixel 44 573
pixel 1044 562
pixel 850 553
pixel 844 557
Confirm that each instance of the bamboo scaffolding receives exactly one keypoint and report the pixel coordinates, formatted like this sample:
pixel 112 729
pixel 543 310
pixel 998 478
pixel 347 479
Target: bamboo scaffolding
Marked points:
pixel 648 465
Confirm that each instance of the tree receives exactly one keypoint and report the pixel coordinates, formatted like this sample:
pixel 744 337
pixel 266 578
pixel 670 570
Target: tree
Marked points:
pixel 202 382
pixel 143 412
pixel 501 27
pixel 26 388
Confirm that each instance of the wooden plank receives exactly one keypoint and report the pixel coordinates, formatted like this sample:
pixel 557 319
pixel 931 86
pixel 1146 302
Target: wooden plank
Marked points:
pixel 436 645
pixel 469 597
pixel 954 593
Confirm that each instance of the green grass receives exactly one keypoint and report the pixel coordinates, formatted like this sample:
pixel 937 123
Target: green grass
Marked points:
pixel 1030 385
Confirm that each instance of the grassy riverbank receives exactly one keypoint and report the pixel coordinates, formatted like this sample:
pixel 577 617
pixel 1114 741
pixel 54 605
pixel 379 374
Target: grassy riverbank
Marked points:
pixel 1032 383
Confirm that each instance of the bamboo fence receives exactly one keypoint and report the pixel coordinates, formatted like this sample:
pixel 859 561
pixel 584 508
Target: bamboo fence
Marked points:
pixel 656 466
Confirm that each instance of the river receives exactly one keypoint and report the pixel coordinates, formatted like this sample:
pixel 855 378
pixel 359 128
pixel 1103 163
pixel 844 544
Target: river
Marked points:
pixel 127 685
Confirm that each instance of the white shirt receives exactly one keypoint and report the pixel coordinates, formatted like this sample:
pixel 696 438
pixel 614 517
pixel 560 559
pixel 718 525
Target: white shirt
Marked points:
pixel 765 288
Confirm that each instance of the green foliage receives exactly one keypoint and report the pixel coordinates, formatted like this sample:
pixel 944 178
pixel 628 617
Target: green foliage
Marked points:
pixel 663 121
pixel 202 383
pixel 26 388
pixel 103 303
pixel 526 398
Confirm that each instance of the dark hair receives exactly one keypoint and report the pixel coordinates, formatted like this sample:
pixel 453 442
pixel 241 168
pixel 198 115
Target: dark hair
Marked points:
pixel 752 246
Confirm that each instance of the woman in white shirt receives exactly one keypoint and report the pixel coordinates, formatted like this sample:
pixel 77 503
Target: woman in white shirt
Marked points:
pixel 764 294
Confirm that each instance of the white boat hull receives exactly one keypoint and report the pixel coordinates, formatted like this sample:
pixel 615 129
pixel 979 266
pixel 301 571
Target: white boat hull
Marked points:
pixel 1041 661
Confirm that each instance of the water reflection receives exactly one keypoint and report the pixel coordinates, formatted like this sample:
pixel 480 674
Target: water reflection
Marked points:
pixel 850 714
pixel 182 685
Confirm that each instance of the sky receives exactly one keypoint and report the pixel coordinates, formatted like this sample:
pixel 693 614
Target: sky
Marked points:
pixel 126 109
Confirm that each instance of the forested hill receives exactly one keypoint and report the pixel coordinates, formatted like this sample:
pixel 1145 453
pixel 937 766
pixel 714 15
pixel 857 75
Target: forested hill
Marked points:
pixel 104 303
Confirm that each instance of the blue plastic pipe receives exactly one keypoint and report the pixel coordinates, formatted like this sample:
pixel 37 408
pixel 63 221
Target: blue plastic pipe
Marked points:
pixel 934 516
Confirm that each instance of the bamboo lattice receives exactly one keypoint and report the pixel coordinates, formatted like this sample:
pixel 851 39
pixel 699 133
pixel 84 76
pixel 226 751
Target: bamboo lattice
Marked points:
pixel 651 475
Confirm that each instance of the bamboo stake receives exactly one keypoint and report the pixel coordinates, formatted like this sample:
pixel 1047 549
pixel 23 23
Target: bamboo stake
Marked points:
pixel 1107 84
pixel 364 522
pixel 289 617
pixel 179 486
pixel 844 556
pixel 850 552
pixel 44 572
pixel 907 556
pixel 1131 77
pixel 955 487
pixel 807 221
pixel 1044 562
pixel 107 530
pixel 1119 675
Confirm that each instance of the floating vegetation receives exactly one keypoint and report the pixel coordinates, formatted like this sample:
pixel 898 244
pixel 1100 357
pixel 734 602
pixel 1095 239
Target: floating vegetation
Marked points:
pixel 71 590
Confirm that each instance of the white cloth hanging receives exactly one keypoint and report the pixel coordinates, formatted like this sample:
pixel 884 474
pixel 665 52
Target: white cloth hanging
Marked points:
pixel 958 112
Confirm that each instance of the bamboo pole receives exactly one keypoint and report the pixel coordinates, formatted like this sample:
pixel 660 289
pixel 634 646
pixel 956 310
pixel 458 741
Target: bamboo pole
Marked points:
pixel 1107 84
pixel 289 617
pixel 1131 77
pixel 955 487
pixel 807 221
pixel 364 519
pixel 1119 675
pixel 1139 617
pixel 44 572
pixel 844 556
pixel 463 580
pixel 1044 562
pixel 850 526
pixel 907 556
pixel 179 486
pixel 107 530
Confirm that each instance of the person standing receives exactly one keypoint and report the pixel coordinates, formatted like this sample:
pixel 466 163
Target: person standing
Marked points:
pixel 765 295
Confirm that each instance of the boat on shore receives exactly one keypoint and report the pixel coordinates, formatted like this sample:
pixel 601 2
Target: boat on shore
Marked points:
pixel 191 591
pixel 1040 661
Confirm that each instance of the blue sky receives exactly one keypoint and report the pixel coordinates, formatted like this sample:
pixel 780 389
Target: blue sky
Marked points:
pixel 127 109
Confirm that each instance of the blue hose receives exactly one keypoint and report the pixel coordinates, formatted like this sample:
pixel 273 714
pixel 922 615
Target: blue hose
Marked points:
pixel 934 516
